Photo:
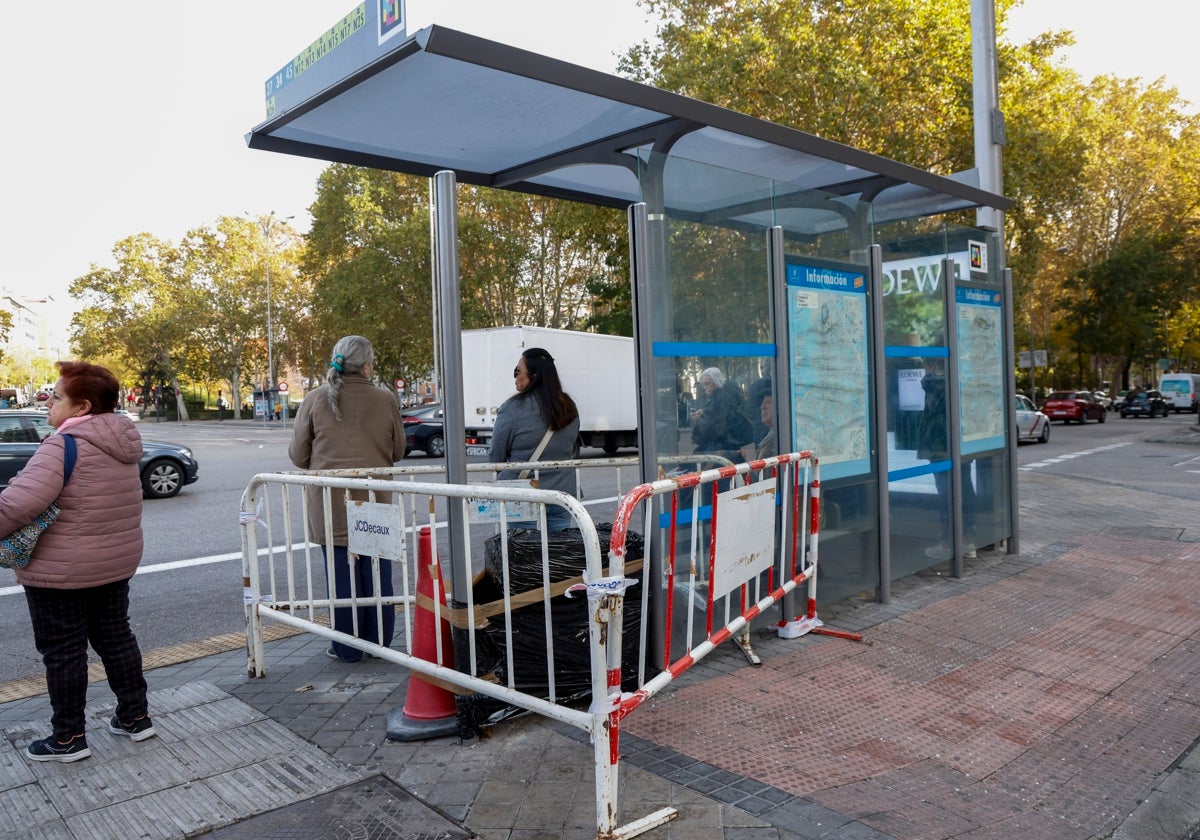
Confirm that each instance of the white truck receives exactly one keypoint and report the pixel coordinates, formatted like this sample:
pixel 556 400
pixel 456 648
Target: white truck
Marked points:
pixel 596 370
pixel 1181 391
pixel 14 397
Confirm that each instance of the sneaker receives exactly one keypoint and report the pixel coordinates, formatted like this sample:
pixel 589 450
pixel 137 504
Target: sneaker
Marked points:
pixel 969 551
pixel 138 730
pixel 49 749
pixel 332 654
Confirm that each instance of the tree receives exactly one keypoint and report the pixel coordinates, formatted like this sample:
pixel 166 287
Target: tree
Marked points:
pixel 522 260
pixel 1087 164
pixel 887 76
pixel 141 310
pixel 1133 230
pixel 196 310
pixel 6 324
pixel 1119 302
pixel 227 266
pixel 367 261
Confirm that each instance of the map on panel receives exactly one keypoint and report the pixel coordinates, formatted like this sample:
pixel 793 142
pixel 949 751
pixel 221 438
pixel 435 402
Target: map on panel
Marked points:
pixel 980 368
pixel 827 337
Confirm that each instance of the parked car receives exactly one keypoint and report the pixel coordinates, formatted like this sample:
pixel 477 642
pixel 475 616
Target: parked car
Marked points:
pixel 423 431
pixel 165 467
pixel 1031 423
pixel 1119 399
pixel 1073 406
pixel 1104 399
pixel 1143 402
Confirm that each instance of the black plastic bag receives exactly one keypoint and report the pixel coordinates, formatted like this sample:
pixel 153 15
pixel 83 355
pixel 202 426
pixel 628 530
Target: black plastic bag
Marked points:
pixel 569 620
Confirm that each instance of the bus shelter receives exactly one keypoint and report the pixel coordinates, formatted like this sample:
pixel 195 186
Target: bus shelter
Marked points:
pixel 843 283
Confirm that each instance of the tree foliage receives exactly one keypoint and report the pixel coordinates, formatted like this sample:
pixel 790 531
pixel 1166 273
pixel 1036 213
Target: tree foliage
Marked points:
pixel 522 260
pixel 1120 303
pixel 888 76
pixel 5 328
pixel 231 266
pixel 1131 235
pixel 194 311
pixel 1104 174
pixel 1089 164
pixel 129 312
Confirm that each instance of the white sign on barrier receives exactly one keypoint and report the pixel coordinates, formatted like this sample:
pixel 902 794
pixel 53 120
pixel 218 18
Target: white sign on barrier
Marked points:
pixel 374 529
pixel 745 536
pixel 488 510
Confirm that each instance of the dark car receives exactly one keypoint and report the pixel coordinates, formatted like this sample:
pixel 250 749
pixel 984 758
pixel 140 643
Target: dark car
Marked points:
pixel 165 468
pixel 1144 402
pixel 1078 406
pixel 423 431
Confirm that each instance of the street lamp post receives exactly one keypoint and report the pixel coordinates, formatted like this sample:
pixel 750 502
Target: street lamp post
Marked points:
pixel 266 223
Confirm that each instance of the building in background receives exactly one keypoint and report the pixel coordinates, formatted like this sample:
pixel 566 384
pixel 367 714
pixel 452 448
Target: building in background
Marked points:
pixel 36 339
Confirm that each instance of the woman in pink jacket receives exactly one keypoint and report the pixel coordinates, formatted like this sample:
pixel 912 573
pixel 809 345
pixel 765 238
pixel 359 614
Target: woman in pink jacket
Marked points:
pixel 77 582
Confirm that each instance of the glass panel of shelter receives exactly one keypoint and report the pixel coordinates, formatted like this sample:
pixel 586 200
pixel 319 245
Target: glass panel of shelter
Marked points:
pixel 711 328
pixel 919 355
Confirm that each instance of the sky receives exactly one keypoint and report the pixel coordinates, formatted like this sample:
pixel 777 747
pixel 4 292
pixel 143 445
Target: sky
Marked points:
pixel 130 116
pixel 1147 39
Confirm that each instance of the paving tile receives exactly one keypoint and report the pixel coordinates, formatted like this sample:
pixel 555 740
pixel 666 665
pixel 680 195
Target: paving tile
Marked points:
pixel 1040 696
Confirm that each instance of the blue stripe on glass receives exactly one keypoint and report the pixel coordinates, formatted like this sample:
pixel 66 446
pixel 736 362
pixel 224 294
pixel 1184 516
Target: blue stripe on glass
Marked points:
pixel 923 469
pixel 906 352
pixel 673 349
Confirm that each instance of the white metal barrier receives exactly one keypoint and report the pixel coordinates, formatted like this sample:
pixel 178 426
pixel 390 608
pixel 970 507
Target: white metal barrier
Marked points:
pixel 287 582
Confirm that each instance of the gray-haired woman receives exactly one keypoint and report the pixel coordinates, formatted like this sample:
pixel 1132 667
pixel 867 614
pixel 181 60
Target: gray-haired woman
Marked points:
pixel 346 423
pixel 719 425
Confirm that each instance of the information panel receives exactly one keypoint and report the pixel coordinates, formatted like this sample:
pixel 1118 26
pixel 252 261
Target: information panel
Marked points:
pixel 829 361
pixel 981 404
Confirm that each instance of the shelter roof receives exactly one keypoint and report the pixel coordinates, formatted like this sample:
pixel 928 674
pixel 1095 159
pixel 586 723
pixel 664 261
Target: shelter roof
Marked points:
pixel 508 118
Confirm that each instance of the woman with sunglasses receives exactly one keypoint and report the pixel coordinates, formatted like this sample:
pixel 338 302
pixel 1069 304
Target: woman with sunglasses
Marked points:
pixel 540 410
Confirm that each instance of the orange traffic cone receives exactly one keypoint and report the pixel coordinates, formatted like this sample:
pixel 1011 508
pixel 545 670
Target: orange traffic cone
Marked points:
pixel 429 710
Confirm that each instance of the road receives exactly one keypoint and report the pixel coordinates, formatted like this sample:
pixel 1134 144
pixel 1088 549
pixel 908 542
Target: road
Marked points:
pixel 189 584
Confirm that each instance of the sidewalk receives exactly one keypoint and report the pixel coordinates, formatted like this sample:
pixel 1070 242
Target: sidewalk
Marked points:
pixel 1053 694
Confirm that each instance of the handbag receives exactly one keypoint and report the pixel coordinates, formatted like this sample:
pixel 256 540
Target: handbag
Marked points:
pixel 16 548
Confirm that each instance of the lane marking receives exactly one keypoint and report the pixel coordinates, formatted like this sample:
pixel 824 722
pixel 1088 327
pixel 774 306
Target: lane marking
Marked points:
pixel 1067 456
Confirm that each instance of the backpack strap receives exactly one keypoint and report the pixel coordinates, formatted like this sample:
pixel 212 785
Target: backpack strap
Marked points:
pixel 70 452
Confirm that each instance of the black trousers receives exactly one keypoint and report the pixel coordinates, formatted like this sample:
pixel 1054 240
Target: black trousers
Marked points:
pixel 65 621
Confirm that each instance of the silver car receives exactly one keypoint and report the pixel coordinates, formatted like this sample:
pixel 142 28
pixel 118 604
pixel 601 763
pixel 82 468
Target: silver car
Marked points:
pixel 1031 423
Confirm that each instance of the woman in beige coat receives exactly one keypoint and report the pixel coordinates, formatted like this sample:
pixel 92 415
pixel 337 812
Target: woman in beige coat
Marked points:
pixel 346 423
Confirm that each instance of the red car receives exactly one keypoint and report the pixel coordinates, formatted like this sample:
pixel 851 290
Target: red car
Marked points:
pixel 1078 406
